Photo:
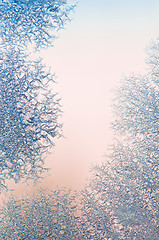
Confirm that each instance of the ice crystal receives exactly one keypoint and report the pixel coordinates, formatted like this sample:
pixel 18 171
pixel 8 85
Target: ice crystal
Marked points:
pixel 44 215
pixel 121 200
pixel 28 116
pixel 29 109
pixel 35 21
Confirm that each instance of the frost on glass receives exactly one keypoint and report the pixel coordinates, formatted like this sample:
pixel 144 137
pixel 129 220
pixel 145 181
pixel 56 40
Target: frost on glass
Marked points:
pixel 125 186
pixel 136 157
pixel 136 109
pixel 29 114
pixel 35 21
pixel 96 220
pixel 44 215
pixel 29 109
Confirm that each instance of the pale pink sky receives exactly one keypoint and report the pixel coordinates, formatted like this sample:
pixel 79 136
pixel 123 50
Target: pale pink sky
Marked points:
pixel 103 43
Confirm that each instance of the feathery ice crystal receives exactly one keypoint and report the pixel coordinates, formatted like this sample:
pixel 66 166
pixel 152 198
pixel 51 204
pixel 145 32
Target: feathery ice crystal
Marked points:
pixel 29 114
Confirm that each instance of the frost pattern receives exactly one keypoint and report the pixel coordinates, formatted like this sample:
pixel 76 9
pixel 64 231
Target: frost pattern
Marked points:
pixel 29 114
pixel 45 215
pixel 35 21
pixel 121 200
pixel 97 220
pixel 29 109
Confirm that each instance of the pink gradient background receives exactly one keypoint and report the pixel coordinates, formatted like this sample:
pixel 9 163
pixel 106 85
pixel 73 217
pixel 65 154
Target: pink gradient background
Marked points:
pixel 103 43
